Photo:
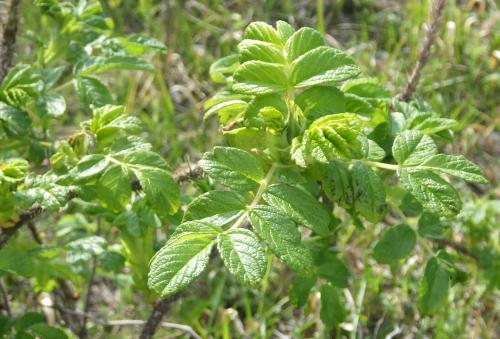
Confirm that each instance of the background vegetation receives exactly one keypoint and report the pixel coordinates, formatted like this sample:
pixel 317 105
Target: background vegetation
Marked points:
pixel 461 81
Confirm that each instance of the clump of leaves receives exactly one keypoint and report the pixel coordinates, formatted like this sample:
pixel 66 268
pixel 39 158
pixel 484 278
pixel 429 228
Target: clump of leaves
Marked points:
pixel 303 133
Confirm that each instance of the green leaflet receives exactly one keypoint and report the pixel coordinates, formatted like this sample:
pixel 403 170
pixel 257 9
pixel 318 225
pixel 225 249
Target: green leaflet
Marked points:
pixel 113 188
pixel 395 244
pixel 433 287
pixel 320 101
pixel 148 167
pixel 160 188
pixel 430 226
pixel 116 62
pixel 219 206
pixel 337 184
pixel 282 237
pixel 368 88
pixel 13 170
pixel 302 41
pixel 259 50
pixel 44 191
pixel 322 65
pixel 419 117
pixel 261 31
pixel 258 77
pixel 334 270
pixel 93 92
pixel 300 289
pixel 455 165
pixel 227 111
pixel 16 260
pixel 221 71
pixel 434 193
pixel 90 166
pixel 334 136
pixel 332 308
pixel 369 192
pixel 372 151
pixel 51 105
pixel 411 148
pixel 233 168
pixel 140 44
pixel 13 121
pixel 285 30
pixel 183 258
pixel 243 255
pixel 299 206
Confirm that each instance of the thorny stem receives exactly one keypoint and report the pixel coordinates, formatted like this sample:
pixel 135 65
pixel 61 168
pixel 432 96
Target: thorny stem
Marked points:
pixel 264 184
pixel 5 296
pixel 86 307
pixel 437 7
pixel 154 319
pixel 8 36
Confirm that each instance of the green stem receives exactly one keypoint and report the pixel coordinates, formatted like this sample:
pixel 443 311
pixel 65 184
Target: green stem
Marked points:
pixel 64 86
pixel 264 184
pixel 320 17
pixel 357 308
pixel 391 167
pixel 263 287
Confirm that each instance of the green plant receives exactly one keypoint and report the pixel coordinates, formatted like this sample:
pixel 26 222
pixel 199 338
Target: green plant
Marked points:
pixel 310 150
pixel 293 153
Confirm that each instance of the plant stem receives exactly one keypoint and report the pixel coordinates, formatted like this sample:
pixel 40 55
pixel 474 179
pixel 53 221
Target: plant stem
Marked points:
pixel 263 287
pixel 357 308
pixel 391 167
pixel 320 17
pixel 63 86
pixel 264 184
pixel 83 331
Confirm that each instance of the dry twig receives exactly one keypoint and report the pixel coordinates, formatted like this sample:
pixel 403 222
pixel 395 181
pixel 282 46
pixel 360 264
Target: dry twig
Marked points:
pixel 432 27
